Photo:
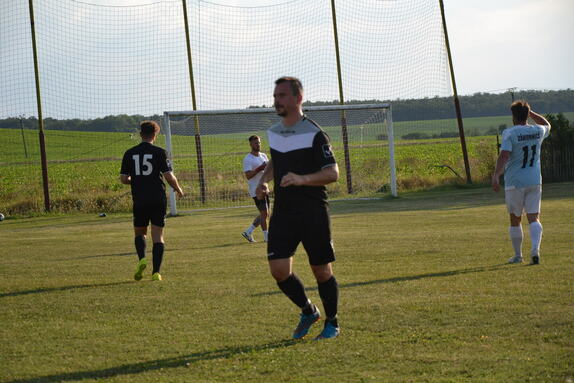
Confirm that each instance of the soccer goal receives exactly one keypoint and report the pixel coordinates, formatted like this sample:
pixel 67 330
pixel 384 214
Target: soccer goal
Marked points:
pixel 207 148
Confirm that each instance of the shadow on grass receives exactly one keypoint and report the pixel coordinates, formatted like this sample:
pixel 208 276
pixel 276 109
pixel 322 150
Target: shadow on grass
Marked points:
pixel 132 253
pixel 442 198
pixel 63 288
pixel 95 256
pixel 137 368
pixel 402 279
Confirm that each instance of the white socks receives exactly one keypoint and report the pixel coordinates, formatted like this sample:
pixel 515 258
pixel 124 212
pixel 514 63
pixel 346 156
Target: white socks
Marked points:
pixel 250 229
pixel 265 236
pixel 535 237
pixel 516 238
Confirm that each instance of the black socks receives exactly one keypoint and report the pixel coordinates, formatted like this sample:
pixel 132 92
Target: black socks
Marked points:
pixel 140 246
pixel 294 289
pixel 157 256
pixel 329 293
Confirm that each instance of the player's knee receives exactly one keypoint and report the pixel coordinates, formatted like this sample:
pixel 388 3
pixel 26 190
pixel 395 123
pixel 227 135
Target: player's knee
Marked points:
pixel 532 217
pixel 515 220
pixel 322 274
pixel 280 275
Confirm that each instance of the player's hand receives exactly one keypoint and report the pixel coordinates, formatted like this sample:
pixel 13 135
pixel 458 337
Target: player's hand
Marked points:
pixel 261 167
pixel 262 190
pixel 292 179
pixel 495 183
pixel 180 193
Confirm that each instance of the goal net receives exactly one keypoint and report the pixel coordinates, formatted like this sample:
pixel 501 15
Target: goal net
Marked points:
pixel 105 65
pixel 207 149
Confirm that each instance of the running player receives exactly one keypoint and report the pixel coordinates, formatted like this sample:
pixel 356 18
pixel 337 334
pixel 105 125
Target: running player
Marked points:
pixel 143 168
pixel 253 165
pixel 302 163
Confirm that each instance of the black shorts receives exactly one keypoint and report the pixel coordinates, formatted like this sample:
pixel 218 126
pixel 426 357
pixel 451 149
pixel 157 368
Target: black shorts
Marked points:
pixel 262 204
pixel 143 214
pixel 312 228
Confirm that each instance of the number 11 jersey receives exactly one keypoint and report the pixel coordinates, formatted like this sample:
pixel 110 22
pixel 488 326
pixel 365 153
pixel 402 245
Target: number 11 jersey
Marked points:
pixel 524 143
pixel 145 164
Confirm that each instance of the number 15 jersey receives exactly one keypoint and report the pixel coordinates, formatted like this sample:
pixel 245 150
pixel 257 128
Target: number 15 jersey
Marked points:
pixel 523 167
pixel 145 164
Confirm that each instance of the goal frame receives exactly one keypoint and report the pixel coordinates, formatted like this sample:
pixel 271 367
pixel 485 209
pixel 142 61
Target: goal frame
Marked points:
pixel 342 108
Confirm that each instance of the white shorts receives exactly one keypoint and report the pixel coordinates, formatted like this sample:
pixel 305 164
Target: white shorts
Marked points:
pixel 523 199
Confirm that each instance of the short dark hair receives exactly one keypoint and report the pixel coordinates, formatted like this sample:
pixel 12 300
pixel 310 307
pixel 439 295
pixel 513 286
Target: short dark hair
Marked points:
pixel 149 128
pixel 296 85
pixel 253 138
pixel 520 110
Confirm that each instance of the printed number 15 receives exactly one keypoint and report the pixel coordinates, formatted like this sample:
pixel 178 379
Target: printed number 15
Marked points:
pixel 146 165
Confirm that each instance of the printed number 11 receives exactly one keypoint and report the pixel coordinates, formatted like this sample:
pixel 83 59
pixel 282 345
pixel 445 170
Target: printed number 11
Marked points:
pixel 525 159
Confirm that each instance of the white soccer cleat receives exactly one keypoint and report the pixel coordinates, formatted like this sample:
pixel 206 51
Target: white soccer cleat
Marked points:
pixel 515 259
pixel 248 237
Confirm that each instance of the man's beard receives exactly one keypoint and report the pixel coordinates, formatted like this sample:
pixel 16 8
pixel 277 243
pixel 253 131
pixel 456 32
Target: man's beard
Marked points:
pixel 282 113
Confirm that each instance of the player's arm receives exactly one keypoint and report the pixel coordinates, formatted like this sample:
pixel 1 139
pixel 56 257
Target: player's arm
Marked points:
pixel 323 177
pixel 125 170
pixel 249 174
pixel 263 188
pixel 499 169
pixel 538 119
pixel 172 181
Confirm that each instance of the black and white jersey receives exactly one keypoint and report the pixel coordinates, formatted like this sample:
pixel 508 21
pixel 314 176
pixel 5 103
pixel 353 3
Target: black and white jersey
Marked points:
pixel 145 164
pixel 303 148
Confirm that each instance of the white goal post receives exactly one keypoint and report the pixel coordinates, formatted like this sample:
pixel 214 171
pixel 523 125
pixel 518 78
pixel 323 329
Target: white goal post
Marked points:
pixel 349 126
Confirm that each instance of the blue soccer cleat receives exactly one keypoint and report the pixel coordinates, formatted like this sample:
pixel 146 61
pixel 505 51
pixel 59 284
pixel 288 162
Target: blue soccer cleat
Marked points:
pixel 329 331
pixel 305 323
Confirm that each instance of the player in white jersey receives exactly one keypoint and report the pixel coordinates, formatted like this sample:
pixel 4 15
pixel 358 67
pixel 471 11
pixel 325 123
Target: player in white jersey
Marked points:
pixel 253 165
pixel 519 160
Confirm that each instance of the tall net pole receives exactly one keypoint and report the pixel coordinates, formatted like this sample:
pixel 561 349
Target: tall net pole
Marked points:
pixel 456 100
pixel 40 117
pixel 198 151
pixel 344 132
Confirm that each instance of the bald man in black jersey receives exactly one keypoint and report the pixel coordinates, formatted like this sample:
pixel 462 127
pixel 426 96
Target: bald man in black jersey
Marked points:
pixel 302 163
pixel 143 168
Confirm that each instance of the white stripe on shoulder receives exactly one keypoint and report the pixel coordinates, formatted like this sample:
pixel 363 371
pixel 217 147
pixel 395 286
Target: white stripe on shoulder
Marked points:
pixel 286 144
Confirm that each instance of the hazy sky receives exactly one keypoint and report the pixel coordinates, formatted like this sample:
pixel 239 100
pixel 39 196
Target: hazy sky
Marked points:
pixel 498 44
pixel 501 44
pixel 100 57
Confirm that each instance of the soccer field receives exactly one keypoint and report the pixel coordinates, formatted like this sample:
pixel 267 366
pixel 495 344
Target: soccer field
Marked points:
pixel 426 296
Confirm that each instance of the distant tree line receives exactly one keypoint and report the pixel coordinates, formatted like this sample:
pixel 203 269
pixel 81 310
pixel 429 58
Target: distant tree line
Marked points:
pixel 476 105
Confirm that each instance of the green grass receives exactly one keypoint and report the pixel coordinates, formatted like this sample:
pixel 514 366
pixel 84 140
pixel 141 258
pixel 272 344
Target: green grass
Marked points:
pixel 426 296
pixel 89 181
pixel 83 166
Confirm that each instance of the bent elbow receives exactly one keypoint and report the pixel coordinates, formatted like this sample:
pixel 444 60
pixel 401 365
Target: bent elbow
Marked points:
pixel 334 174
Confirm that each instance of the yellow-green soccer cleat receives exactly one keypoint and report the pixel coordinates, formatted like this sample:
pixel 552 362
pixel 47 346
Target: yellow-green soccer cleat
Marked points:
pixel 156 277
pixel 142 264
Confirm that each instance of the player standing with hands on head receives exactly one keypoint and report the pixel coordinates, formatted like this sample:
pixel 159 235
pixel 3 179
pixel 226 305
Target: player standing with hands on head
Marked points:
pixel 519 160
pixel 302 163
pixel 143 168
pixel 253 165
